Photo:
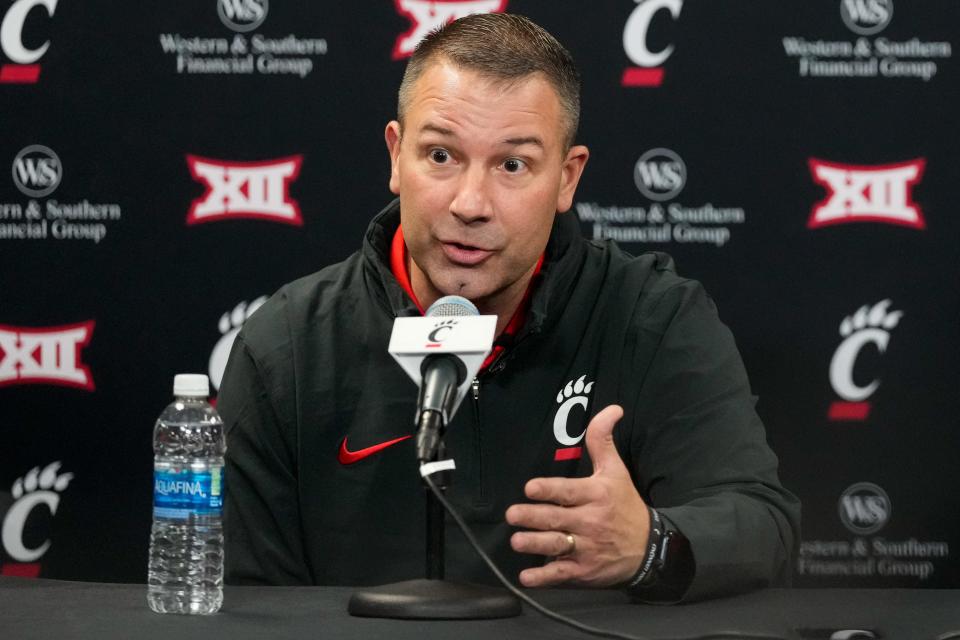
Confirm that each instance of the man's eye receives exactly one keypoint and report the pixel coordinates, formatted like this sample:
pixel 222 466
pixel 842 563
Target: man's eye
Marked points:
pixel 513 165
pixel 439 156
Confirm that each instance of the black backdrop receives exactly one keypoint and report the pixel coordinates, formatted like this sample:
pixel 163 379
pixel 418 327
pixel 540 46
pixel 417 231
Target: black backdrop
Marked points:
pixel 748 94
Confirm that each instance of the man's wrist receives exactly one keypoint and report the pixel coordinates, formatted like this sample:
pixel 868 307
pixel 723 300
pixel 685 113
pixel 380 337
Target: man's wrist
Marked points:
pixel 667 569
pixel 655 538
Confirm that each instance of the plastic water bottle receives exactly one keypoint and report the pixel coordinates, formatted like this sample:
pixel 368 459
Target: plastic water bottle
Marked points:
pixel 186 542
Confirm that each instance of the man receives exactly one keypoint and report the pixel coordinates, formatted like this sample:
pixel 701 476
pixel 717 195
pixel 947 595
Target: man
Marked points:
pixel 323 483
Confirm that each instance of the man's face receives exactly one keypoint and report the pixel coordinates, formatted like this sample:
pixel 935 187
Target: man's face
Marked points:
pixel 481 170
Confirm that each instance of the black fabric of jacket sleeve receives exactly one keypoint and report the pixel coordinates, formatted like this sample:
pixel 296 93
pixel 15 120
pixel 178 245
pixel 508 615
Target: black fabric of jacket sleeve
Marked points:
pixel 700 453
pixel 262 527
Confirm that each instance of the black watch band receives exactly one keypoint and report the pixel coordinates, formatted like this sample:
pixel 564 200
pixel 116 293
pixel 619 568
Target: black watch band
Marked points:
pixel 652 559
pixel 667 568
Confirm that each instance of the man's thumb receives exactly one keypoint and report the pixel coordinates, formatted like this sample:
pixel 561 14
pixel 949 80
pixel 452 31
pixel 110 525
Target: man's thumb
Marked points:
pixel 599 439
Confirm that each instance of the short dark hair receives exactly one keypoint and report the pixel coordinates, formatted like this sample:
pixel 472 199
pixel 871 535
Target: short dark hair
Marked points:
pixel 502 46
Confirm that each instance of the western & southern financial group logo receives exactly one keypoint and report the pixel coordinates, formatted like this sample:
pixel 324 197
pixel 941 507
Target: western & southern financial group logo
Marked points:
pixel 866 17
pixel 37 172
pixel 660 175
pixel 867 57
pixel 648 70
pixel 258 54
pixel 24 68
pixel 259 190
pixel 868 326
pixel 858 193
pixel 427 15
pixel 865 509
pixel 242 16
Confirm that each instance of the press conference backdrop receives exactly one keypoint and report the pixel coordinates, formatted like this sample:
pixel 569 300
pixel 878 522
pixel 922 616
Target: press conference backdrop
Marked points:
pixel 167 165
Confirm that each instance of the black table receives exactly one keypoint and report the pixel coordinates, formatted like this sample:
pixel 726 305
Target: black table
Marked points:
pixel 57 610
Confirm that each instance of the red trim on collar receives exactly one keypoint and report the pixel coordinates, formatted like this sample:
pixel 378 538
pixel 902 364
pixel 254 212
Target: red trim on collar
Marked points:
pixel 398 265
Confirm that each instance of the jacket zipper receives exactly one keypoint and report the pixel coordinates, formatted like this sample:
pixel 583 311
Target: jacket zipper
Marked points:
pixel 475 388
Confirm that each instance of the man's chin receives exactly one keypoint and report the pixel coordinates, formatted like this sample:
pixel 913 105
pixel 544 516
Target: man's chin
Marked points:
pixel 471 293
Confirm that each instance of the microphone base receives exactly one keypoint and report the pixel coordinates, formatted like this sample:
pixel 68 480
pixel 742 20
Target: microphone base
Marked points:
pixel 433 600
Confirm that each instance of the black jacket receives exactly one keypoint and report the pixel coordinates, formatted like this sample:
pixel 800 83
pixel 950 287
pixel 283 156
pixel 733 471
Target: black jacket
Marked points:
pixel 311 367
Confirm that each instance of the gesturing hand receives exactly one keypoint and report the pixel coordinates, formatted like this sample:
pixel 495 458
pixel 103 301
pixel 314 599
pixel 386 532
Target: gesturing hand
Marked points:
pixel 604 514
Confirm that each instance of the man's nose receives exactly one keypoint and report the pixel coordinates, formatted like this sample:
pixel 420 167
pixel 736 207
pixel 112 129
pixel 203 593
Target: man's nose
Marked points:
pixel 472 201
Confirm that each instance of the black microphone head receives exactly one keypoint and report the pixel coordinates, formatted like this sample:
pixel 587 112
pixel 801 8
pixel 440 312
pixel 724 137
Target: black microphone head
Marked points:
pixel 452 306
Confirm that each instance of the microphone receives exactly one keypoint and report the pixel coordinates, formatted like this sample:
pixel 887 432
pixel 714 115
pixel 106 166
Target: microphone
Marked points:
pixel 442 352
pixel 442 375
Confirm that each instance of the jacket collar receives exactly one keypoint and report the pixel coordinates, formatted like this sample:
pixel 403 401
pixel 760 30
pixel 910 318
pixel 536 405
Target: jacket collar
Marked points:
pixel 564 258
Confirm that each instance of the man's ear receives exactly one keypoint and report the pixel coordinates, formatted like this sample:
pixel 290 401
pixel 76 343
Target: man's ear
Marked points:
pixel 570 173
pixel 392 137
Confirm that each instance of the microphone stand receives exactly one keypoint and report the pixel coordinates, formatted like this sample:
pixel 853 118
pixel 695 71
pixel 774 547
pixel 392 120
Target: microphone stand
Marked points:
pixel 433 597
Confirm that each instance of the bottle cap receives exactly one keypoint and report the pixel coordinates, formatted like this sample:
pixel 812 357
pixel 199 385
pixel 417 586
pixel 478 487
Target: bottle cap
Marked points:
pixel 194 385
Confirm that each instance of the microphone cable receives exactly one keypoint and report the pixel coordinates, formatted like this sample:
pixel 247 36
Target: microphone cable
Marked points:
pixel 553 615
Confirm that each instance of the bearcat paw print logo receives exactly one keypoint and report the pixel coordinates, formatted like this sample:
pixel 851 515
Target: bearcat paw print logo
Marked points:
pixel 229 325
pixel 867 318
pixel 439 331
pixel 869 325
pixel 574 387
pixel 574 393
pixel 34 488
pixel 43 480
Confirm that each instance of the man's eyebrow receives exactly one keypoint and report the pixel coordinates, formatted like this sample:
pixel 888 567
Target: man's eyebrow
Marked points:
pixel 516 142
pixel 436 129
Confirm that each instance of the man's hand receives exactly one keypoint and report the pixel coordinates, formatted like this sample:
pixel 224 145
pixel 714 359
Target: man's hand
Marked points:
pixel 604 513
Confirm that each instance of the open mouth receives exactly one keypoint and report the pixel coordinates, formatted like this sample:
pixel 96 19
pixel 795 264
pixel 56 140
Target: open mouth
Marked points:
pixel 464 254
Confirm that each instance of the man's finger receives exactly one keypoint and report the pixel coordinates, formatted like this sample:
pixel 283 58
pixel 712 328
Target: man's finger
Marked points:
pixel 556 572
pixel 599 440
pixel 544 543
pixel 544 517
pixel 569 492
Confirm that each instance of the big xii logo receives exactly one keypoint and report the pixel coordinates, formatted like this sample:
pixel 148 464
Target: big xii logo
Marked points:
pixel 660 174
pixel 258 190
pixel 47 355
pixel 857 193
pixel 427 15
pixel 24 68
pixel 648 71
